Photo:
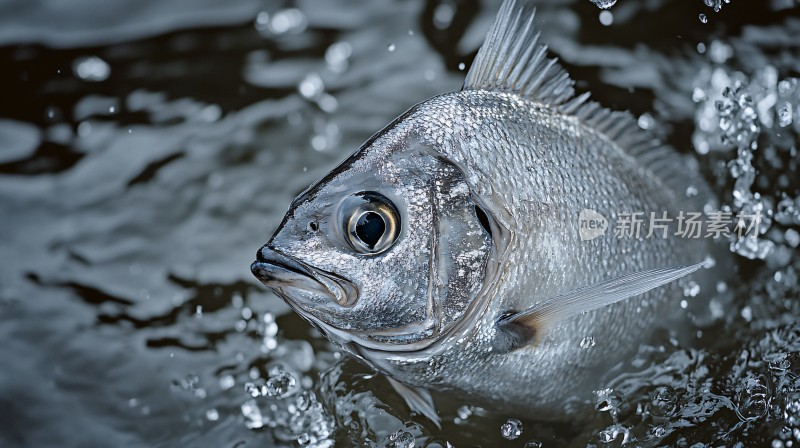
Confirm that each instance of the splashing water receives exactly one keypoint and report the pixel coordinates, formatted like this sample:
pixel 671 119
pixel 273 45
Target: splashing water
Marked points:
pixel 716 4
pixel 604 4
pixel 733 116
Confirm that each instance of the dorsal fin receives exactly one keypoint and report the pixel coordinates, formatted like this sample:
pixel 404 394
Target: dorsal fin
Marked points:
pixel 513 60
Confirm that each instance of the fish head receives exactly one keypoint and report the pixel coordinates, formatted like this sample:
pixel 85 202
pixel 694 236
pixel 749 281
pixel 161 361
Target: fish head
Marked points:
pixel 388 251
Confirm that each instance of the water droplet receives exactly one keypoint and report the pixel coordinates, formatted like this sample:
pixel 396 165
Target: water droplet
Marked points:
pixel 328 103
pixel 252 415
pixel 443 15
pixel 337 56
pixel 607 400
pixel 461 66
pixel 752 398
pixel 720 52
pixel 533 444
pixel 311 86
pixel 611 434
pixel 587 342
pixel 303 439
pixel 663 401
pixel 212 415
pixel 703 18
pixel 606 18
pixel 785 115
pixel 604 4
pixel 280 383
pixel 645 121
pixel 285 21
pixel 226 382
pixel 511 429
pixel 240 326
pixel 747 313
pixel 792 237
pixel 91 68
pixel 247 313
pixel 254 390
pixel 400 439
pixel 262 20
pixel 692 289
pixel 304 400
pixel 391 47
pixel 791 409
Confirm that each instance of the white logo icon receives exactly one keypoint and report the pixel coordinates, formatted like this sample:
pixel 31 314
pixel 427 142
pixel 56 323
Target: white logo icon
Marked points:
pixel 591 224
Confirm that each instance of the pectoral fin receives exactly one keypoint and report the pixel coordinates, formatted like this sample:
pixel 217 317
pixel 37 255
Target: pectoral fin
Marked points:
pixel 418 399
pixel 519 329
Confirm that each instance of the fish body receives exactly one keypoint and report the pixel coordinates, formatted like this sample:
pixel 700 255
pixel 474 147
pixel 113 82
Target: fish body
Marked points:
pixel 479 197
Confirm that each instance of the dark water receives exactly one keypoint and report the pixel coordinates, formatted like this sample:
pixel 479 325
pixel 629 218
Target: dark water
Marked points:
pixel 148 148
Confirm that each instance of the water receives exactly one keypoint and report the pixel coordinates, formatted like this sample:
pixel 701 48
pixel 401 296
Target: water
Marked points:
pixel 149 148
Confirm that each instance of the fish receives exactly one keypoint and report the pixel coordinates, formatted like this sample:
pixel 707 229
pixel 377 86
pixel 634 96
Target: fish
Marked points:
pixel 467 247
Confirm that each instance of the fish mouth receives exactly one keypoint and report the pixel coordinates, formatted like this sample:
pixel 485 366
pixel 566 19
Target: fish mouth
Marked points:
pixel 297 282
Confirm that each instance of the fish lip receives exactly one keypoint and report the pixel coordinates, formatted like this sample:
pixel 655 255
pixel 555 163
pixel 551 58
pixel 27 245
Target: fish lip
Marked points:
pixel 278 271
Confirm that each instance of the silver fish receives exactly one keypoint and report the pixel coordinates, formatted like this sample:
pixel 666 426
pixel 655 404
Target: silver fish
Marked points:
pixel 466 246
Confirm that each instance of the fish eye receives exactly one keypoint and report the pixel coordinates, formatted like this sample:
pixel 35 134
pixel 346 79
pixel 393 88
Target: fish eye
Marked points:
pixel 372 222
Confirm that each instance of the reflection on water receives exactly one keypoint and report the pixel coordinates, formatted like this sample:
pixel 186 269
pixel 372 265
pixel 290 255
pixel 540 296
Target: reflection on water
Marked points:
pixel 149 148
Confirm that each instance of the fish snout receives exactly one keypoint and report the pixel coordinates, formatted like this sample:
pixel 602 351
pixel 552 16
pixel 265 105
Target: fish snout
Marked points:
pixel 298 282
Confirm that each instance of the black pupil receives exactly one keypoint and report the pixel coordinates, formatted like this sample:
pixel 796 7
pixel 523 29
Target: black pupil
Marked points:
pixel 370 228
